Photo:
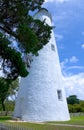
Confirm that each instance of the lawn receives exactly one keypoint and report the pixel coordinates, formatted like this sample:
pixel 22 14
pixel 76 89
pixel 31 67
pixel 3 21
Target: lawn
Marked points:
pixel 43 126
pixel 79 120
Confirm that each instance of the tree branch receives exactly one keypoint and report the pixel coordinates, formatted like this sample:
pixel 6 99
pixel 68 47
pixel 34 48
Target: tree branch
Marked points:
pixel 10 32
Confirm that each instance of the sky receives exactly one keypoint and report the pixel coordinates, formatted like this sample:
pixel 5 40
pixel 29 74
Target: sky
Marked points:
pixel 68 19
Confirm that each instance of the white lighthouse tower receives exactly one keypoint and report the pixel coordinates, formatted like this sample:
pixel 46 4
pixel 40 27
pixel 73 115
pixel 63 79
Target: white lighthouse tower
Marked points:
pixel 41 95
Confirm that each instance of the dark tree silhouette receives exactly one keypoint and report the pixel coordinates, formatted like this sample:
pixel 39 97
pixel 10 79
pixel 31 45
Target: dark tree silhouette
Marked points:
pixel 17 24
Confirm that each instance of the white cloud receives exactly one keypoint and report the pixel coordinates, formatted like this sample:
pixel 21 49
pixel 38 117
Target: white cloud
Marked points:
pixel 82 46
pixel 75 85
pixel 63 63
pixel 69 67
pixel 75 67
pixel 73 59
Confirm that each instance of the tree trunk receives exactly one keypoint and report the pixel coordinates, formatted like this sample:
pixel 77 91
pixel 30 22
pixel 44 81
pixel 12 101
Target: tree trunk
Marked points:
pixel 3 106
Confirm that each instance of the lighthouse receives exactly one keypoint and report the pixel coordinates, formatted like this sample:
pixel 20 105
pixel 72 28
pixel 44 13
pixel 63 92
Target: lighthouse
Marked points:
pixel 41 96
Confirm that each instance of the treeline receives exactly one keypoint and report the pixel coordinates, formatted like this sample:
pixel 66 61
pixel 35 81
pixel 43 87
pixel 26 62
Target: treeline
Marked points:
pixel 9 106
pixel 74 104
pixel 7 89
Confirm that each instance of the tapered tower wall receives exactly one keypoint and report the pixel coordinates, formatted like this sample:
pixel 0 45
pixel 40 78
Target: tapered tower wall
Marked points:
pixel 41 95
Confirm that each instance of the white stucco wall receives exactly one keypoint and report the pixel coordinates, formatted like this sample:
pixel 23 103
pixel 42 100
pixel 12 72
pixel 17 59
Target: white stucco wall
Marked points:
pixel 37 97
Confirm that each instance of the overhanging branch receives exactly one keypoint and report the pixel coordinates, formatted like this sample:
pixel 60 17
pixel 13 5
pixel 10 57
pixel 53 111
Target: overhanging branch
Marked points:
pixel 8 31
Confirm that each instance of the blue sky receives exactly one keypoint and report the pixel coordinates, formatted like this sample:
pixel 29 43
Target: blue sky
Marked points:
pixel 68 17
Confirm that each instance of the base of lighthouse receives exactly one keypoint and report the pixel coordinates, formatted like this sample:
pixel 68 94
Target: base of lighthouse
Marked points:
pixel 40 102
pixel 41 95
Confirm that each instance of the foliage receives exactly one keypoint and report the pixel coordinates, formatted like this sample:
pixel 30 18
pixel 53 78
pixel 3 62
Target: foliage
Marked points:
pixel 75 108
pixel 17 24
pixel 74 104
pixel 9 105
pixel 72 100
pixel 4 118
pixel 12 92
pixel 4 86
pixel 12 64
pixel 7 88
pixel 82 106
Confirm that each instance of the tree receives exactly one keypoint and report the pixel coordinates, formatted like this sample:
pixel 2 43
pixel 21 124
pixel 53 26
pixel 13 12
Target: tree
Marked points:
pixel 4 86
pixel 13 89
pixel 74 104
pixel 17 24
pixel 73 100
pixel 7 88
pixel 82 105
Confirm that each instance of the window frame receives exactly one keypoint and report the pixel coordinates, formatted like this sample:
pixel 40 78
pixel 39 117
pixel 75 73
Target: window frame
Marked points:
pixel 59 95
pixel 52 47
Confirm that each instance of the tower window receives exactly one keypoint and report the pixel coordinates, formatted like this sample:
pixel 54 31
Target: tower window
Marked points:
pixel 59 93
pixel 52 47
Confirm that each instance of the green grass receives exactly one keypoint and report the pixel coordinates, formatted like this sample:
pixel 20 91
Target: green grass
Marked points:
pixel 77 120
pixel 44 126
pixel 4 118
pixel 34 126
pixel 74 121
